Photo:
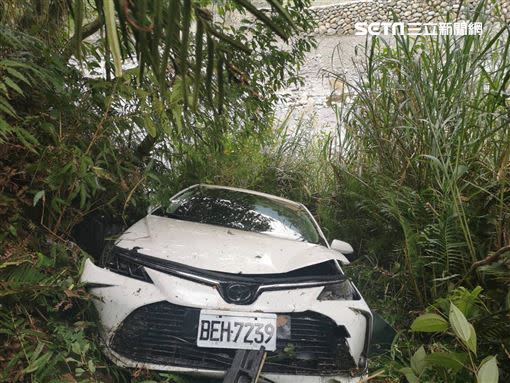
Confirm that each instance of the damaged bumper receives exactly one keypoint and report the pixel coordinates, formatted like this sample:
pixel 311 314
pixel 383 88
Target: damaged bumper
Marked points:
pixel 154 325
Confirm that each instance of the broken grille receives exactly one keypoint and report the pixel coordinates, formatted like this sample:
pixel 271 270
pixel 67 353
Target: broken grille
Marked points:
pixel 164 333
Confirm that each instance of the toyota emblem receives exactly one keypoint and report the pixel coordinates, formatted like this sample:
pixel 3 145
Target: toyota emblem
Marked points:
pixel 239 293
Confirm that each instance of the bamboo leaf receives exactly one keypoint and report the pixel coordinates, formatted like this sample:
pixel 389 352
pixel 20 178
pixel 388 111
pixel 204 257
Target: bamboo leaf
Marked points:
pixel 149 126
pixel 176 94
pixel 38 363
pixel 210 67
pixel 13 72
pixel 3 88
pixel 282 11
pixel 7 108
pixel 12 63
pixel 5 128
pixel 172 36
pixel 177 112
pixel 158 23
pixel 124 47
pixel 229 40
pixel 198 61
pixel 26 138
pixel 111 32
pixel 186 19
pixel 78 30
pixel 177 17
pixel 40 194
pixel 144 51
pixel 262 17
pixel 219 75
pixel 83 196
pixel 11 84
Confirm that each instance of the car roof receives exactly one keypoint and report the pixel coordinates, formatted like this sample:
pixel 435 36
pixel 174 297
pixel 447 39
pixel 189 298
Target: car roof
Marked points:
pixel 247 191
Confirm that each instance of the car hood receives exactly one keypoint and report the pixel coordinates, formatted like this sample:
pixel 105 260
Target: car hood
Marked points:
pixel 222 249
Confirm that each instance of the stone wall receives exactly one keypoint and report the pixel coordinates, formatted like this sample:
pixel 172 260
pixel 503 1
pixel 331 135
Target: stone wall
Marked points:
pixel 340 18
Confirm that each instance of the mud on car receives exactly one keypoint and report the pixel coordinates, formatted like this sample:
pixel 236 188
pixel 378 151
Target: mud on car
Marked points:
pixel 219 269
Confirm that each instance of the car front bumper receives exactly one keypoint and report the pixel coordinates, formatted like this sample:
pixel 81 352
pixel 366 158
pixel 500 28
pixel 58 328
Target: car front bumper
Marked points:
pixel 271 377
pixel 121 300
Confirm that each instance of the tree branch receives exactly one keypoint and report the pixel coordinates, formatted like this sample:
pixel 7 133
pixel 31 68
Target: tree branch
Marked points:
pixel 490 259
pixel 486 261
pixel 87 30
pixel 145 147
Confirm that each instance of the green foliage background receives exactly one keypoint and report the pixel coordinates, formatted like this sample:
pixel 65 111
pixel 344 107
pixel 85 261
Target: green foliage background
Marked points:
pixel 416 178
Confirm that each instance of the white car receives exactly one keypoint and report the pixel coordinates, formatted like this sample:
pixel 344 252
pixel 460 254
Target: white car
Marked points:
pixel 221 269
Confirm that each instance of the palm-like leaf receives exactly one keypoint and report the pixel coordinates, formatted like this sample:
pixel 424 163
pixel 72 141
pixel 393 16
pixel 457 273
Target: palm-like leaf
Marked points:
pixel 445 252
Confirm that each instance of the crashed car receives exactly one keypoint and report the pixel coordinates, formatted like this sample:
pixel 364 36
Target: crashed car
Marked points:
pixel 220 269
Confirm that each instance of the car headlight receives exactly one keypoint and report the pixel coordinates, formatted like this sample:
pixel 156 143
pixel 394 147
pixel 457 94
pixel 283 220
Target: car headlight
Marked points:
pixel 341 291
pixel 122 264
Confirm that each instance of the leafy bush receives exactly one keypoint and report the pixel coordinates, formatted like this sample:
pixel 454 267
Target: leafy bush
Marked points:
pixel 58 165
pixel 451 361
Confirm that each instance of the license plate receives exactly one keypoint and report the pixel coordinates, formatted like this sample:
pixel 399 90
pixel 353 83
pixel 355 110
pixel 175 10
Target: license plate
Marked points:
pixel 249 331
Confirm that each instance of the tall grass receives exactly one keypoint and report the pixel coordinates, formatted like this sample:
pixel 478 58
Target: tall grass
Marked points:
pixel 427 147
pixel 423 175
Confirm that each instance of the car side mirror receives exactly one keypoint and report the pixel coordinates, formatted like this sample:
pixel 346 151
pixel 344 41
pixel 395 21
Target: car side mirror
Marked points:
pixel 346 251
pixel 342 247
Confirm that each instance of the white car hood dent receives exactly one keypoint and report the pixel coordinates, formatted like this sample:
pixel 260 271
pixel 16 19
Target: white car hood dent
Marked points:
pixel 218 248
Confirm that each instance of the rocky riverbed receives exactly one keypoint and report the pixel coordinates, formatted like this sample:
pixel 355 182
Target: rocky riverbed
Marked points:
pixel 315 101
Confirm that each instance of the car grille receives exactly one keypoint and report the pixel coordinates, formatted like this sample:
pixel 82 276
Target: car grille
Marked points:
pixel 164 333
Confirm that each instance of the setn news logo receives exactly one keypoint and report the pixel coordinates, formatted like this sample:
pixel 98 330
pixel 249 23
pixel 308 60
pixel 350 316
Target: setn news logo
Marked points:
pixel 458 28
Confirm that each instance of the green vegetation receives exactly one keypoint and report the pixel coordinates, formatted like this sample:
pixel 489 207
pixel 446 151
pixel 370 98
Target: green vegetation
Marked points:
pixel 417 178
pixel 442 363
pixel 78 142
pixel 422 174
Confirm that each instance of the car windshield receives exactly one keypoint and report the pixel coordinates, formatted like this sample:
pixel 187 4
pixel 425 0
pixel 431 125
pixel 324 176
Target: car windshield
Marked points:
pixel 244 211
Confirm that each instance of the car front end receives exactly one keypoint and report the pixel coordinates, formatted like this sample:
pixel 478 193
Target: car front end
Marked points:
pixel 233 289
